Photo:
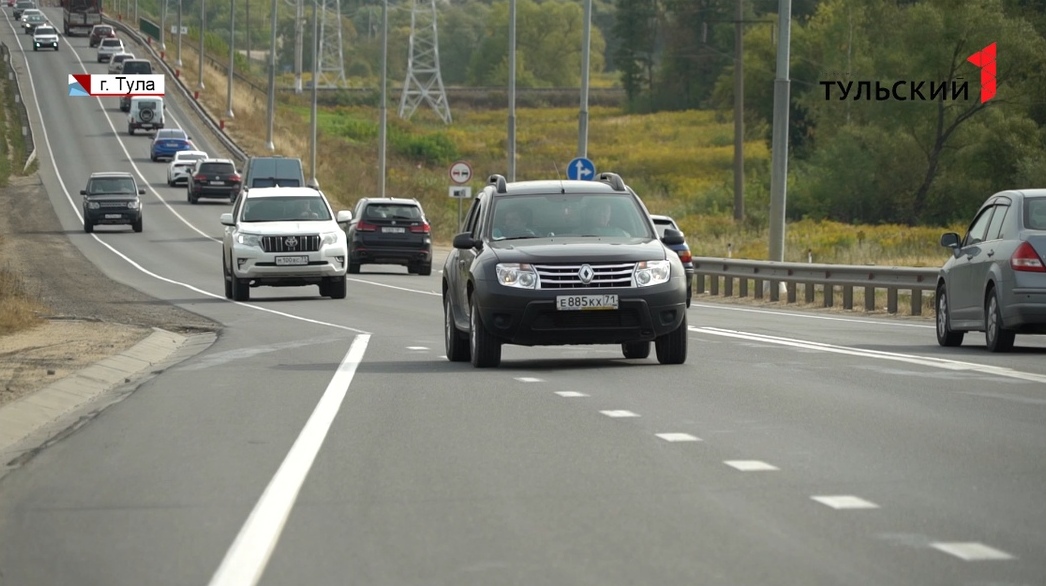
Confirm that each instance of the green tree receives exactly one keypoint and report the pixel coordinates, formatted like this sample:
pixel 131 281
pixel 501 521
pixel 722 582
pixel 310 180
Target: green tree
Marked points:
pixel 636 30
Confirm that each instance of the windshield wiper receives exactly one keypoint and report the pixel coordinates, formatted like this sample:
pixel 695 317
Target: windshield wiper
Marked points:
pixel 520 237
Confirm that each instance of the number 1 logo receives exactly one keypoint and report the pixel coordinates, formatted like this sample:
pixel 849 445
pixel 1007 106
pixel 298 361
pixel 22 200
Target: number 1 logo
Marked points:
pixel 985 61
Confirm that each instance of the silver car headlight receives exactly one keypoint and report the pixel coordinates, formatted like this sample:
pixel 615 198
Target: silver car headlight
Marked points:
pixel 248 239
pixel 520 275
pixel 93 205
pixel 652 272
pixel 329 238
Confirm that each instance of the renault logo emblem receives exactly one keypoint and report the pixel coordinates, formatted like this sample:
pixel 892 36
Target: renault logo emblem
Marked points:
pixel 291 241
pixel 585 273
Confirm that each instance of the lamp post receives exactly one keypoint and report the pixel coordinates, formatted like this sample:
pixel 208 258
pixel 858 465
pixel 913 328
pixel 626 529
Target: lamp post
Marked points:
pixel 384 91
pixel 232 57
pixel 315 83
pixel 779 140
pixel 178 54
pixel 512 90
pixel 582 139
pixel 272 80
pixel 203 35
pixel 163 24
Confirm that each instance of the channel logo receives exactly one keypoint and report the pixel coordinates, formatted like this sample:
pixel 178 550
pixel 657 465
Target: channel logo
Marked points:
pixel 97 85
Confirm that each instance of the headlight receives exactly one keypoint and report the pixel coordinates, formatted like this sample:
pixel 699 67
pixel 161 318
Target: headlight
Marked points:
pixel 652 272
pixel 248 239
pixel 133 205
pixel 329 238
pixel 93 205
pixel 517 275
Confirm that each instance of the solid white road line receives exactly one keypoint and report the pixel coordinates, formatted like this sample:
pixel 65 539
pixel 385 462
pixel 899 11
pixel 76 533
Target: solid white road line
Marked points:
pixel 750 465
pixel 678 437
pixel 933 362
pixel 845 502
pixel 245 561
pixel 971 551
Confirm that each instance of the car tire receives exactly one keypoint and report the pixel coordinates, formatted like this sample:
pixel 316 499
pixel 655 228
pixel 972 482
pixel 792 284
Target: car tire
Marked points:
pixel 456 342
pixel 354 268
pixel 193 200
pixel 137 225
pixel 945 336
pixel 241 290
pixel 130 130
pixel 635 349
pixel 689 294
pixel 996 337
pixel 88 226
pixel 485 349
pixel 425 270
pixel 226 278
pixel 412 269
pixel 337 288
pixel 671 347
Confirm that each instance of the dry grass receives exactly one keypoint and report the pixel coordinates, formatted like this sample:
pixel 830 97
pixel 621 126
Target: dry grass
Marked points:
pixel 18 309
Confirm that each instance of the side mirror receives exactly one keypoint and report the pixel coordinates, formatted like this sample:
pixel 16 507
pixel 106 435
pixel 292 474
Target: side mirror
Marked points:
pixel 950 240
pixel 464 241
pixel 344 217
pixel 83 192
pixel 141 192
pixel 673 237
pixel 226 219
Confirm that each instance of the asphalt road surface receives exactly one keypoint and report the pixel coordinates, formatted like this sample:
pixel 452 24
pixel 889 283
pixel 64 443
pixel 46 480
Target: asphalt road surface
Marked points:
pixel 330 442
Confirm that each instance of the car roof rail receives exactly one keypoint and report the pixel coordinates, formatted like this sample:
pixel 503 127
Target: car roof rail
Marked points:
pixel 499 182
pixel 614 180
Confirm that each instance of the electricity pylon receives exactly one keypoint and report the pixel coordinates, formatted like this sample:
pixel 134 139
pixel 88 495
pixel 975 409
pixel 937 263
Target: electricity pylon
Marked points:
pixel 332 62
pixel 424 82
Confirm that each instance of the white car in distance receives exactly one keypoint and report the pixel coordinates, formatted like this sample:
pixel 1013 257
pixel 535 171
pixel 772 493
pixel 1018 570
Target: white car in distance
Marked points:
pixel 284 237
pixel 181 165
pixel 116 62
pixel 45 37
pixel 109 47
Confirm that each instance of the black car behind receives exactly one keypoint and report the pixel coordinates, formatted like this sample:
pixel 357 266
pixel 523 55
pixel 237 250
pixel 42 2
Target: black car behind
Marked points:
pixel 390 231
pixel 213 178
pixel 112 198
pixel 544 263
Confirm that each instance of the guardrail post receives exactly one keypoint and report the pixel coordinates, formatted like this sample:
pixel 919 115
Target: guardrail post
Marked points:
pixel 743 285
pixel 713 287
pixel 869 298
pixel 809 292
pixel 829 295
pixel 728 286
pixel 775 291
pixel 700 286
pixel 759 288
pixel 917 301
pixel 848 297
pixel 790 287
pixel 891 299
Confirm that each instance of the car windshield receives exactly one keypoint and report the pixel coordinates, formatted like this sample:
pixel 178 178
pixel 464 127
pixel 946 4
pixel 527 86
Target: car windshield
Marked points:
pixel 106 185
pixel 1035 213
pixel 286 209
pixel 112 43
pixel 24 4
pixel 103 30
pixel 535 216
pixel 35 18
pixel 185 156
pixel 130 66
pixel 219 168
pixel 147 105
pixel 392 212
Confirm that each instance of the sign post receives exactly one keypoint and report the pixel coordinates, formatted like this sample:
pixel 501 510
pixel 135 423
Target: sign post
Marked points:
pixel 460 174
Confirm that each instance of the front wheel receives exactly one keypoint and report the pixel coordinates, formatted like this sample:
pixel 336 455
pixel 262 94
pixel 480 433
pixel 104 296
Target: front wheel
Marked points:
pixel 997 338
pixel 671 347
pixel 137 225
pixel 485 349
pixel 457 343
pixel 336 288
pixel 945 335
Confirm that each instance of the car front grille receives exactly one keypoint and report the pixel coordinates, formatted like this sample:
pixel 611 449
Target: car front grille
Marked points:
pixel 568 320
pixel 113 204
pixel 292 243
pixel 567 276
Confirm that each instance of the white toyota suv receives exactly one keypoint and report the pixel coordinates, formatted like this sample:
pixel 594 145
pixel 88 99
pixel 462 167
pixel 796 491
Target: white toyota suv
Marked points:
pixel 284 237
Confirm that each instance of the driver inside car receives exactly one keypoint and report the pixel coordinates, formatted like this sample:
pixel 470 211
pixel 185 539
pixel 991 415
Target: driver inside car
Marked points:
pixel 515 224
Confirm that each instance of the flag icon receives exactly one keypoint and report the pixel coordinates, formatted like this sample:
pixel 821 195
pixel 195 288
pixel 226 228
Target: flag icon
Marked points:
pixel 76 88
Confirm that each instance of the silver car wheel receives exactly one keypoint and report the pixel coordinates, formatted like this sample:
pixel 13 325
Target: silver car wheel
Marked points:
pixel 993 322
pixel 942 313
pixel 472 330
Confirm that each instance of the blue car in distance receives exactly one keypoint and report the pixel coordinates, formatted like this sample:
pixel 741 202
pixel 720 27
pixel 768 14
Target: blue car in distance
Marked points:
pixel 683 250
pixel 169 141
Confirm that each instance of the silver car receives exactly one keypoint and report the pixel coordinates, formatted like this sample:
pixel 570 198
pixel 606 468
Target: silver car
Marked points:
pixel 116 62
pixel 995 281
pixel 109 47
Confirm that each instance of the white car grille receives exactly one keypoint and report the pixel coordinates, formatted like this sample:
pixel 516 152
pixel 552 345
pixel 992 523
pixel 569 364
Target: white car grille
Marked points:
pixel 291 243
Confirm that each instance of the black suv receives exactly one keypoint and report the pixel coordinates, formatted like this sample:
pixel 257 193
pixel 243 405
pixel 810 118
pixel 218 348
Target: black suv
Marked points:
pixel 215 178
pixel 390 231
pixel 544 263
pixel 112 198
pixel 134 67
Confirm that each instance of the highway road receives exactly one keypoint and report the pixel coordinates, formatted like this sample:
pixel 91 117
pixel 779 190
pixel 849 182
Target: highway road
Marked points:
pixel 331 442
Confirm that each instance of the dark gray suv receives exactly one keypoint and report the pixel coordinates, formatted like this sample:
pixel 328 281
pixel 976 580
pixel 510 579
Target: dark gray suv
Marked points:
pixel 112 198
pixel 390 230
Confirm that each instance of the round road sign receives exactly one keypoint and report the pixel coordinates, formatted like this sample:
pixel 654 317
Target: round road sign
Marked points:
pixel 460 172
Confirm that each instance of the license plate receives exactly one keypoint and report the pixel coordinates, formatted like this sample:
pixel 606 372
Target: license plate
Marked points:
pixel 113 216
pixel 585 302
pixel 291 260
pixel 393 230
pixel 217 183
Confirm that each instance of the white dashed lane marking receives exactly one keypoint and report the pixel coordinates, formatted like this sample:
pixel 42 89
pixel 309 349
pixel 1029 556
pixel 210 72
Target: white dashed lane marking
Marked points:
pixel 570 394
pixel 972 551
pixel 678 437
pixel 619 413
pixel 750 465
pixel 528 379
pixel 417 348
pixel 845 502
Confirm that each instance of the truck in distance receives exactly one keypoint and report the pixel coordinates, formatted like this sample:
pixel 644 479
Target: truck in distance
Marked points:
pixel 80 16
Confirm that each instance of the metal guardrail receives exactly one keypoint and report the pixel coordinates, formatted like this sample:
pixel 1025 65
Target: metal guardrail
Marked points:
pixel 722 272
pixel 205 116
pixel 23 114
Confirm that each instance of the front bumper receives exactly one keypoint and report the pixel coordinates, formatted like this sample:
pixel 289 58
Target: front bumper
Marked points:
pixel 530 318
pixel 222 191
pixel 258 266
pixel 113 216
pixel 47 44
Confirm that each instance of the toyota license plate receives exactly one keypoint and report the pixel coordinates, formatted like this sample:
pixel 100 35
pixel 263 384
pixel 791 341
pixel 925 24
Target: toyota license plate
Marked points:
pixel 283 261
pixel 389 230
pixel 585 302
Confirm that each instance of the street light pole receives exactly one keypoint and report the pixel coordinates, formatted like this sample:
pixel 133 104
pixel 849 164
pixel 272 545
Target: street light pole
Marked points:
pixel 232 57
pixel 299 26
pixel 163 24
pixel 739 109
pixel 315 83
pixel 203 35
pixel 384 91
pixel 272 80
pixel 582 139
pixel 779 155
pixel 512 90
pixel 178 55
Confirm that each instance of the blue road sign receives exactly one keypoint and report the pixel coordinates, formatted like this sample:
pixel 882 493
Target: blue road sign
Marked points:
pixel 581 168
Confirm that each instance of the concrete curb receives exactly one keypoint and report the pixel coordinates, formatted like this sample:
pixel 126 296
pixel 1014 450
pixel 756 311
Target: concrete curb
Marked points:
pixel 29 415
